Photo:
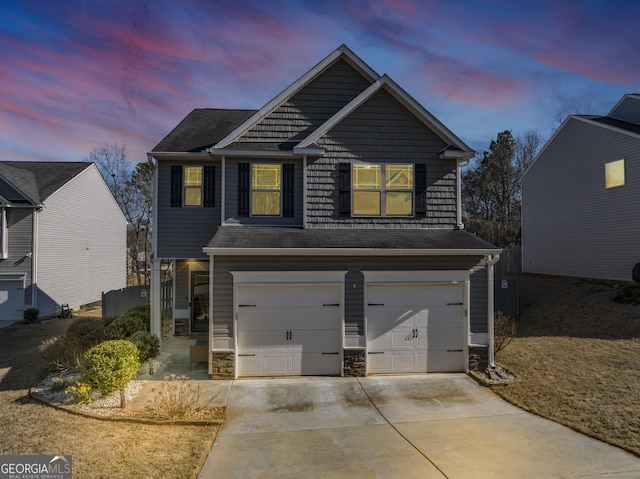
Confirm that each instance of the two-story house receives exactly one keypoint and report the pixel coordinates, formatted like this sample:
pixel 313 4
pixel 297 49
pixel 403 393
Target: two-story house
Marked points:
pixel 321 234
pixel 580 197
pixel 63 237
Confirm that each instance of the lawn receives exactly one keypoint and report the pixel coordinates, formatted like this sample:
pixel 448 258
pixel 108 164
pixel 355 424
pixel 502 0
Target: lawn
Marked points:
pixel 577 357
pixel 100 449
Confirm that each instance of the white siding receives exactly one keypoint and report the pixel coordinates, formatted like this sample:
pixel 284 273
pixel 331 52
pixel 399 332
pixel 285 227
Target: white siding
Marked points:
pixel 81 249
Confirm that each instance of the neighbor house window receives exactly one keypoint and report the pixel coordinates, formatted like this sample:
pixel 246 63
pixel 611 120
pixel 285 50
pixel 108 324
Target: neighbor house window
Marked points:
pixel 192 185
pixel 614 173
pixel 382 190
pixel 265 189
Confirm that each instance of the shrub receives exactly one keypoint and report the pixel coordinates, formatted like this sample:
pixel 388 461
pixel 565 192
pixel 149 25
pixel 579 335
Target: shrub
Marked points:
pixel 125 326
pixel 85 333
pixel 178 399
pixel 148 347
pixel 635 273
pixel 30 315
pixel 59 355
pixel 504 330
pixel 109 366
pixel 629 293
pixel 134 319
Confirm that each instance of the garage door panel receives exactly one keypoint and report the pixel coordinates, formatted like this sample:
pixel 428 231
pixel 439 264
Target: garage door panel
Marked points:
pixel 289 330
pixel 413 328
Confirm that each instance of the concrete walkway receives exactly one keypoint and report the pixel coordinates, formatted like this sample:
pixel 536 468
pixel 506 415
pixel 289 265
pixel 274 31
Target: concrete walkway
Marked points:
pixel 425 426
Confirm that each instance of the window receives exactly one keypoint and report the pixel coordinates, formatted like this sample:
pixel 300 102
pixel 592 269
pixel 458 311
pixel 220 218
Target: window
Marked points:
pixel 383 190
pixel 614 173
pixel 265 189
pixel 192 185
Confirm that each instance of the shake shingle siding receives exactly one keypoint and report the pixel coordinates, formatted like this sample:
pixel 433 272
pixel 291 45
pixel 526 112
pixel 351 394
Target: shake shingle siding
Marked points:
pixel 572 224
pixel 354 283
pixel 381 131
pixel 183 231
pixel 296 118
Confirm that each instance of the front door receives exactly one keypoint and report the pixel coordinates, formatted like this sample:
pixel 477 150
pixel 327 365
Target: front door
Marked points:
pixel 199 302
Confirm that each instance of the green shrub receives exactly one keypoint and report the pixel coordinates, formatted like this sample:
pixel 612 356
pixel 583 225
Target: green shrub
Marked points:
pixel 30 315
pixel 109 366
pixel 85 333
pixel 137 318
pixel 124 326
pixel 148 347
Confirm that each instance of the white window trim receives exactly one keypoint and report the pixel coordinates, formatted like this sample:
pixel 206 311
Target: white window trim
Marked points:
pixel 383 191
pixel 4 234
pixel 185 186
pixel 251 190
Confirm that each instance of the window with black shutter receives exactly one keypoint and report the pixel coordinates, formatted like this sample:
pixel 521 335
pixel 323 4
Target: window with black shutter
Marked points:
pixel 287 190
pixel 244 189
pixel 344 189
pixel 421 189
pixel 176 185
pixel 209 186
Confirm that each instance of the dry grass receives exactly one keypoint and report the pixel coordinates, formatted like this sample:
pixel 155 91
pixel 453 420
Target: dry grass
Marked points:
pixel 100 449
pixel 577 356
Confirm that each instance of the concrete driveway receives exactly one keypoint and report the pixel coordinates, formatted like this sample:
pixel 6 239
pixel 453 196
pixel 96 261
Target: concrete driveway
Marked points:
pixel 424 426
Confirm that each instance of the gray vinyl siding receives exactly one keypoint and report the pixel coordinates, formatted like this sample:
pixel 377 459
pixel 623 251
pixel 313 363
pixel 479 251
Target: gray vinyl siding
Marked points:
pixel 313 105
pixel 572 224
pixel 354 283
pixel 183 231
pixel 20 243
pixel 231 195
pixel 628 110
pixel 82 244
pixel 382 130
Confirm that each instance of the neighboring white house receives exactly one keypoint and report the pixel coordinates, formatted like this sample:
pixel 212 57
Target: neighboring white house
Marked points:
pixel 63 237
pixel 580 197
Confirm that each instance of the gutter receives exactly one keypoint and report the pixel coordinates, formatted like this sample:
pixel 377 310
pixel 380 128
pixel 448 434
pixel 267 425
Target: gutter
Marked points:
pixel 347 252
pixel 491 260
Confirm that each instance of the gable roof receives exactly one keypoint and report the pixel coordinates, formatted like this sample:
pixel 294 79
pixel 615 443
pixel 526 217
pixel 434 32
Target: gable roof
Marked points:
pixel 607 122
pixel 343 52
pixel 202 128
pixel 463 151
pixel 38 180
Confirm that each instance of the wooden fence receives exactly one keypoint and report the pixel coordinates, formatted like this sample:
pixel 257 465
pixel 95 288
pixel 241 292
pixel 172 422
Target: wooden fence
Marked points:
pixel 117 301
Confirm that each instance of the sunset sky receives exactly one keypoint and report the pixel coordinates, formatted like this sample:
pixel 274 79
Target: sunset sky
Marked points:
pixel 78 74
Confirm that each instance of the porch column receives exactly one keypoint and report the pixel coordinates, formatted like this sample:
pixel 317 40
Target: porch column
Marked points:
pixel 156 309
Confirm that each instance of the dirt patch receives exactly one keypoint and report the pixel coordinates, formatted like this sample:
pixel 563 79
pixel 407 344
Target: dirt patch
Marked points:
pixel 99 449
pixel 577 358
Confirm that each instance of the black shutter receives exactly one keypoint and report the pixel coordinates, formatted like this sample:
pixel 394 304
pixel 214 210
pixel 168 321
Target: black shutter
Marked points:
pixel 421 189
pixel 176 185
pixel 209 186
pixel 244 189
pixel 344 189
pixel 287 190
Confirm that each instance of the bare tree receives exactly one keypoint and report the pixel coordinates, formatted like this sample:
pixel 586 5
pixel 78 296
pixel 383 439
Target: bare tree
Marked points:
pixel 491 190
pixel 132 187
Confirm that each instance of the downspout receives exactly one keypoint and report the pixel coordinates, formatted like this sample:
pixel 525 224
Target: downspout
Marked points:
pixel 460 165
pixel 491 260
pixel 156 264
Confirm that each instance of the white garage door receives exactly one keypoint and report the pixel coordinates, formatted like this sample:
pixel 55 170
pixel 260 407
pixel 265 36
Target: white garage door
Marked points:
pixel 11 301
pixel 289 330
pixel 415 328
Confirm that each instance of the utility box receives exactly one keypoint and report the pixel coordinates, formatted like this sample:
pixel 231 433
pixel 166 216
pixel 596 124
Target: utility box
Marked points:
pixel 505 293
